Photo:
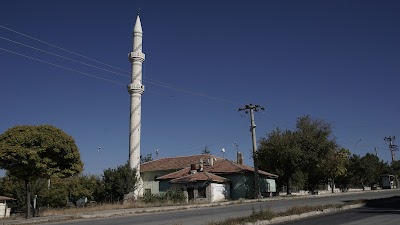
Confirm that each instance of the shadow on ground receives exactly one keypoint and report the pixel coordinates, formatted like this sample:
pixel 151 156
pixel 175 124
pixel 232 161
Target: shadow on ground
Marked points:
pixel 384 205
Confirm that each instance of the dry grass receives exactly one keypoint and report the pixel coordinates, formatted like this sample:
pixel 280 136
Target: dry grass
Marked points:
pixel 255 216
pixel 104 207
pixel 268 214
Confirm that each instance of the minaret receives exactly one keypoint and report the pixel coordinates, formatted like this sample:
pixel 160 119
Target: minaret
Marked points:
pixel 136 89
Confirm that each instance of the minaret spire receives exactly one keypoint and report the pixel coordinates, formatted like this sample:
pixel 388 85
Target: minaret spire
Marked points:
pixel 136 89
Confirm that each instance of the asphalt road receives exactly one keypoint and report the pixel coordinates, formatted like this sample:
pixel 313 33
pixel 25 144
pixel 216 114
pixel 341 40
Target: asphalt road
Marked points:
pixel 383 212
pixel 201 216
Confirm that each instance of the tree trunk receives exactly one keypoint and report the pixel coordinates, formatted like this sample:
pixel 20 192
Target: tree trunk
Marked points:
pixel 333 185
pixel 28 198
pixel 288 192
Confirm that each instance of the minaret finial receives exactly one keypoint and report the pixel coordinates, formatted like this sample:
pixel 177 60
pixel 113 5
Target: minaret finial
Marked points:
pixel 138 11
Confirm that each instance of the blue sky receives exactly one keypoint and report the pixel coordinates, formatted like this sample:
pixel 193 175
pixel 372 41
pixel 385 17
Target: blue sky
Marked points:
pixel 334 60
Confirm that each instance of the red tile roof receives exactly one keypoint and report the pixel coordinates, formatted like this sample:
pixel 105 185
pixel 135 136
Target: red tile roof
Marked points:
pixel 179 173
pixel 199 176
pixel 221 166
pixel 175 163
pixel 227 166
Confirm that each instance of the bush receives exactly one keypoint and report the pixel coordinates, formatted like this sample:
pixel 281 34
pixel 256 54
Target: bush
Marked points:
pixel 173 195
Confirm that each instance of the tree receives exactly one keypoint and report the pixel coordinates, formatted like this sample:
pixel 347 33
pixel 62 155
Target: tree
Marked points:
pixel 304 149
pixel 280 154
pixel 206 150
pixel 119 182
pixel 370 170
pixel 148 158
pixel 365 171
pixel 33 152
pixel 335 164
pixel 316 142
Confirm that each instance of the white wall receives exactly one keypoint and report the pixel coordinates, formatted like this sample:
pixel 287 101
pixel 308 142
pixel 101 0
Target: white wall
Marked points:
pixel 271 185
pixel 3 212
pixel 219 192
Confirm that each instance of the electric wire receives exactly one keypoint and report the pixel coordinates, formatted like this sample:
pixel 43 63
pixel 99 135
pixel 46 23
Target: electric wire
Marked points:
pixel 60 56
pixel 152 81
pixel 60 48
pixel 74 70
pixel 63 67
pixel 149 80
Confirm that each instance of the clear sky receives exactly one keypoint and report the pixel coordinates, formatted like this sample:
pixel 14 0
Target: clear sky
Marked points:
pixel 334 60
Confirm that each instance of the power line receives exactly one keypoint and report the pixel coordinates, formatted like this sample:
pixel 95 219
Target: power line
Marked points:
pixel 60 56
pixel 63 67
pixel 53 64
pixel 191 92
pixel 63 49
pixel 154 82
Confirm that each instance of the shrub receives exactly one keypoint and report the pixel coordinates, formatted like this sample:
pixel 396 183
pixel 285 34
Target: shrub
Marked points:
pixel 173 195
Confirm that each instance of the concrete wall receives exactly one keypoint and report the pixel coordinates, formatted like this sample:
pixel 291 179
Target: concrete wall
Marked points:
pixel 214 192
pixel 155 186
pixel 241 185
pixel 267 185
pixel 4 211
pixel 219 192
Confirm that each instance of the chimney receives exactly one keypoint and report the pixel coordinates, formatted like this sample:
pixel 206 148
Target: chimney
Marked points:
pixel 193 169
pixel 240 158
pixel 201 165
pixel 211 161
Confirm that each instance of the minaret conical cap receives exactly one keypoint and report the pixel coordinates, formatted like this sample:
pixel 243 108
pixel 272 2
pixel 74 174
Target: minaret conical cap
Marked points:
pixel 138 26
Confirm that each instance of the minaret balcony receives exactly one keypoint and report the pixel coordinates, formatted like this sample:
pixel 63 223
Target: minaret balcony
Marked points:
pixel 135 88
pixel 136 56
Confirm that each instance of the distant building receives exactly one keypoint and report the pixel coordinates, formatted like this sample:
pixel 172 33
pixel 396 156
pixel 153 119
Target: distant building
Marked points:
pixel 204 178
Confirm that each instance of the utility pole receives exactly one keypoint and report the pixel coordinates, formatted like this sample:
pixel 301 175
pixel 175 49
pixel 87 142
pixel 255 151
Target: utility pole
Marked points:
pixel 251 109
pixel 392 147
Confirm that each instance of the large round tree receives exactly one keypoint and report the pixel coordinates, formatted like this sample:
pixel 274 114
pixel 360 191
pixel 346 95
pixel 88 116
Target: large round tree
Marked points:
pixel 32 152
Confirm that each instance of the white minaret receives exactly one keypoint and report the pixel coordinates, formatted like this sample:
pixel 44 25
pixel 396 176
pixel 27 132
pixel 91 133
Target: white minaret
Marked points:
pixel 136 90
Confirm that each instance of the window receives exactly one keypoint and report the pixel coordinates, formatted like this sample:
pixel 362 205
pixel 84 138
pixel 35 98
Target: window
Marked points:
pixel 201 192
pixel 147 191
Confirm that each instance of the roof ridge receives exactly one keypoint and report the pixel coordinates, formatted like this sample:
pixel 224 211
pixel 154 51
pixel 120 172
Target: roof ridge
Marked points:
pixel 187 156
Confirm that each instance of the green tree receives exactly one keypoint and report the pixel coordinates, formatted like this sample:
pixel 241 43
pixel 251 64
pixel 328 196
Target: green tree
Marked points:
pixel 316 141
pixel 335 164
pixel 305 149
pixel 366 170
pixel 33 152
pixel 119 182
pixel 206 150
pixel 280 153
pixel 148 158
pixel 370 169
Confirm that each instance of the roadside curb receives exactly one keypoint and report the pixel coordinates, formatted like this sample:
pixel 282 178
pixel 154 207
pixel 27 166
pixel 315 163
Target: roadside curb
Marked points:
pixel 304 215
